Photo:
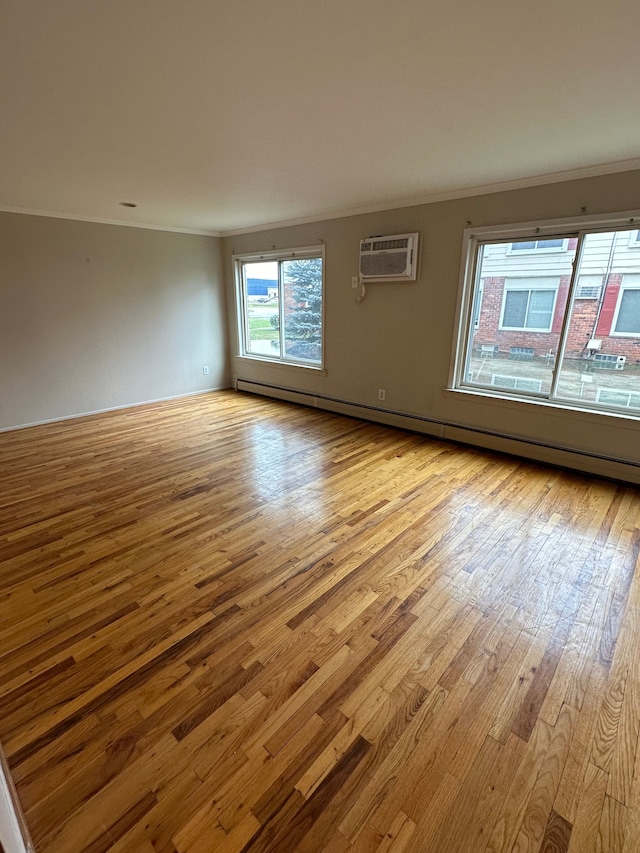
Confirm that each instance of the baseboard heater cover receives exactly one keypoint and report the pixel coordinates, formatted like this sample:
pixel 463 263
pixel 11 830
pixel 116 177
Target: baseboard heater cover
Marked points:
pixel 563 457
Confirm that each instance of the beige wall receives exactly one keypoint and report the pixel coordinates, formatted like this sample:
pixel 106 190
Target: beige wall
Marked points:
pixel 400 337
pixel 97 316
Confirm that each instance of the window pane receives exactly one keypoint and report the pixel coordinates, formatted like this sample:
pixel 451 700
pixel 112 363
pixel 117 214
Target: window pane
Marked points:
pixel 629 313
pixel 515 309
pixel 302 289
pixel 551 244
pixel 514 330
pixel 600 365
pixel 540 309
pixel 532 245
pixel 262 319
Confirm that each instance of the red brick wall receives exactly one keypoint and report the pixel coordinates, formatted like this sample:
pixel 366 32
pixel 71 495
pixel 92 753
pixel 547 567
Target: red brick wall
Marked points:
pixel 581 329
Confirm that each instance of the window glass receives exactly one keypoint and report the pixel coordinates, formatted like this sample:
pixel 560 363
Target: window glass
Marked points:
pixel 538 327
pixel 262 308
pixel 302 280
pixel 538 245
pixel 515 308
pixel 280 307
pixel 597 357
pixel 540 309
pixel 628 320
pixel 515 326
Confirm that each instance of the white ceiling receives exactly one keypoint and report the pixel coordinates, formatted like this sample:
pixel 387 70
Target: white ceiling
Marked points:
pixel 218 116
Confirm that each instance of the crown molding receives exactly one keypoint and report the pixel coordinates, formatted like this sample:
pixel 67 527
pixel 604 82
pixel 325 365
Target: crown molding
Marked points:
pixel 394 204
pixel 98 221
pixel 450 195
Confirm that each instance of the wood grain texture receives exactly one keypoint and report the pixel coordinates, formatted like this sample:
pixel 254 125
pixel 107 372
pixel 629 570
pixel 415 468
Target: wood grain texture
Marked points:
pixel 231 624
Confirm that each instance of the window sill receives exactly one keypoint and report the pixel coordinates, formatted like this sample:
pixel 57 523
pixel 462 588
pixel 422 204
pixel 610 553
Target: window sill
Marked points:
pixel 556 409
pixel 282 365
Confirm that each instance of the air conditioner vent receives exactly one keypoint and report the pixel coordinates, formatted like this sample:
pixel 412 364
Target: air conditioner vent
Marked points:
pixel 393 258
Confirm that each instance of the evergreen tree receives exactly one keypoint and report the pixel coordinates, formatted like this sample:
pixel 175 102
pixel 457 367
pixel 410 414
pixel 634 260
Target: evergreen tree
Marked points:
pixel 303 305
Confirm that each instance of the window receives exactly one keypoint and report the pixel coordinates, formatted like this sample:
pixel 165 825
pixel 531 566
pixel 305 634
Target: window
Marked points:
pixel 549 245
pixel 280 306
pixel 528 304
pixel 528 326
pixel 627 315
pixel 634 239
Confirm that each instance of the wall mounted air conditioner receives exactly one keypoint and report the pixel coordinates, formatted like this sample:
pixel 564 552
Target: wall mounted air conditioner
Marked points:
pixel 393 258
pixel 621 360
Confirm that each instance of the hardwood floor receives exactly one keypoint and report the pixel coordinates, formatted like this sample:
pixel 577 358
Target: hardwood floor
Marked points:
pixel 231 624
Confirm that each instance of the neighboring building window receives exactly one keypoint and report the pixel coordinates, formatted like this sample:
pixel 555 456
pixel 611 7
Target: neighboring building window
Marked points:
pixel 546 245
pixel 626 320
pixel 634 239
pixel 280 306
pixel 564 327
pixel 528 304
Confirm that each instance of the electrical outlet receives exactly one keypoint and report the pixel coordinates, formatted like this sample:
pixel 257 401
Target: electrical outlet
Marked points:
pixel 354 281
pixel 382 394
pixel 205 369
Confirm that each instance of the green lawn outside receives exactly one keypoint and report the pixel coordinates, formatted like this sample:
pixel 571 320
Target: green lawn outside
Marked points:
pixel 261 330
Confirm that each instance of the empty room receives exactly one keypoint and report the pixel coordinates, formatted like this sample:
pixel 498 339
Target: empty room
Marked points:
pixel 319 427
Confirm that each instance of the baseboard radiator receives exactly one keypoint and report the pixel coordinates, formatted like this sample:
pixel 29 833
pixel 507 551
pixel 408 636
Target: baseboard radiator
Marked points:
pixel 564 457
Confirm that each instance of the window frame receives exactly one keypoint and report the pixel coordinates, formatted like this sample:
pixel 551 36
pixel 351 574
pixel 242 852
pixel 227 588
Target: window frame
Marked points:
pixel 614 322
pixel 511 286
pixel 241 305
pixel 474 240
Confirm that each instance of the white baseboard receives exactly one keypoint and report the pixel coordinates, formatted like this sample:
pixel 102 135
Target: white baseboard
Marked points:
pixel 564 457
pixel 14 835
pixel 113 409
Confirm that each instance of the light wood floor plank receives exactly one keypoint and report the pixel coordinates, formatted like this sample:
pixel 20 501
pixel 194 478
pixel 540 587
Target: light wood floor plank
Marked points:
pixel 232 624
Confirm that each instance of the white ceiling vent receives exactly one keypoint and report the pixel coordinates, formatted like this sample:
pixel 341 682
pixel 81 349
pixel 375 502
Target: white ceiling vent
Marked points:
pixel 393 258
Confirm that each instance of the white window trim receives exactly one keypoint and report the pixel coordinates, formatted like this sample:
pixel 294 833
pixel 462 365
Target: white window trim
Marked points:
pixel 469 271
pixel 526 285
pixel 631 286
pixel 300 252
pixel 634 239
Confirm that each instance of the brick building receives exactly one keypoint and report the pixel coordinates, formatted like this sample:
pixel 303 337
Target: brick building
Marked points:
pixel 523 291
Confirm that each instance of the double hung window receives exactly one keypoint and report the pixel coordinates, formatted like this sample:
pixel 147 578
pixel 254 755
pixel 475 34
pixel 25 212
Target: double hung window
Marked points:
pixel 528 304
pixel 279 297
pixel 552 312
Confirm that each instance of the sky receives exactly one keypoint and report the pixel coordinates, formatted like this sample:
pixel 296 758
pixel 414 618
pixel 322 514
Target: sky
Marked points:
pixel 268 269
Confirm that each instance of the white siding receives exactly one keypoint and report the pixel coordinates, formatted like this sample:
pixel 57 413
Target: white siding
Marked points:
pixel 498 261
